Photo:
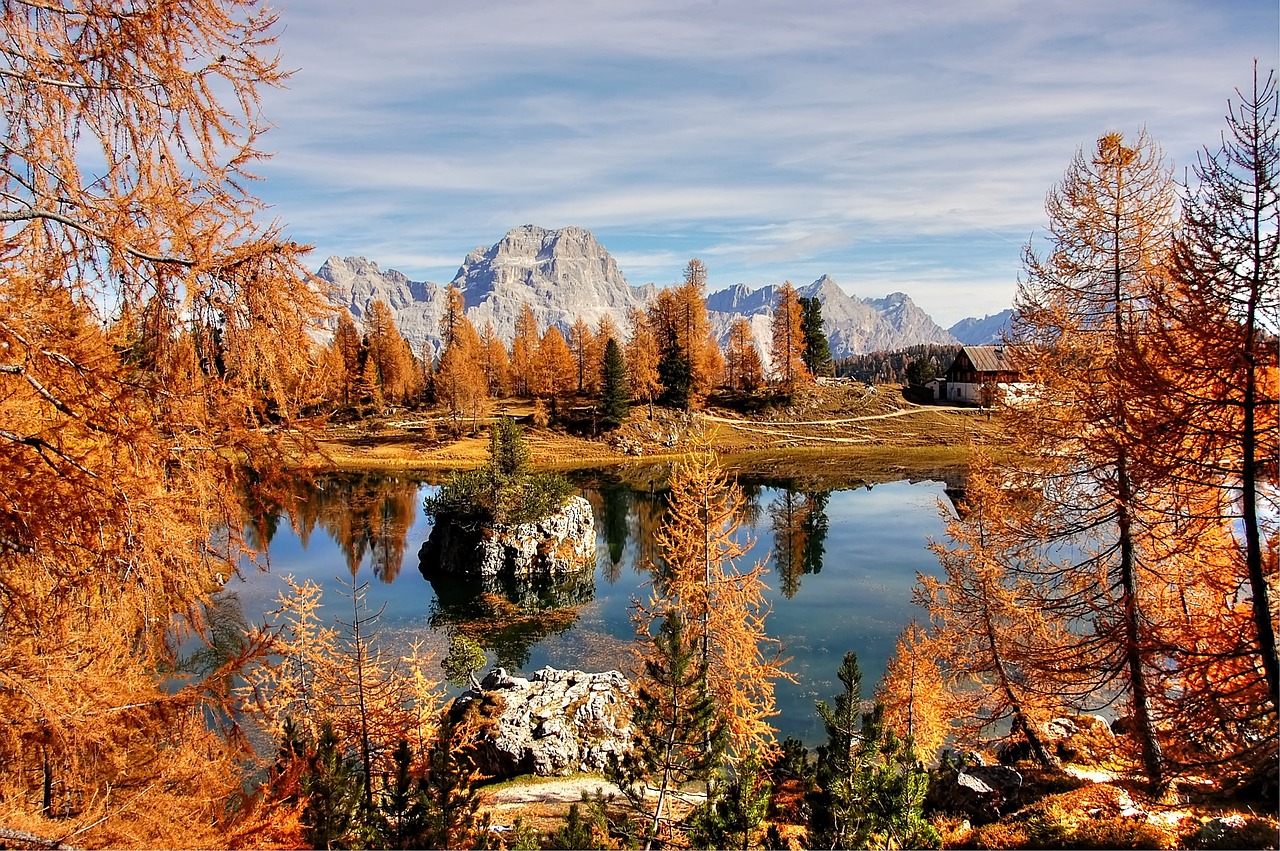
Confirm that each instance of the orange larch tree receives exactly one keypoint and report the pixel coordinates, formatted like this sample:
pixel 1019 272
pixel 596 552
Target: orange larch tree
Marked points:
pixel 713 362
pixel 496 364
pixel 1081 314
pixel 582 345
pixel 914 696
pixel 743 370
pixel 723 607
pixel 452 314
pixel 390 355
pixel 1213 361
pixel 130 133
pixel 992 645
pixel 642 357
pixel 678 321
pixel 524 354
pixel 460 383
pixel 348 346
pixel 693 331
pixel 787 349
pixel 557 369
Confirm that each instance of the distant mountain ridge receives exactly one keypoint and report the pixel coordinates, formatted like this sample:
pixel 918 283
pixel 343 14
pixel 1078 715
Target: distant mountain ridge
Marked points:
pixel 853 325
pixel 566 273
pixel 985 331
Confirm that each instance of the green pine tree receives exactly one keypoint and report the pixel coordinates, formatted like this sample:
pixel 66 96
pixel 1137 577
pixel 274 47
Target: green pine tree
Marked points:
pixel 679 738
pixel 465 658
pixel 334 788
pixel 817 353
pixel 675 373
pixel 729 819
pixel 404 813
pixel 614 393
pixel 504 490
pixel 870 785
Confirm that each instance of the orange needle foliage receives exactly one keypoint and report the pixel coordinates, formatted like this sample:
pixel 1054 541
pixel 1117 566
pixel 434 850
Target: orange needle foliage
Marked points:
pixel 1081 315
pixel 642 357
pixel 743 370
pixel 344 677
pixel 722 607
pixel 462 385
pixel 914 696
pixel 524 353
pixel 984 637
pixel 148 328
pixel 787 350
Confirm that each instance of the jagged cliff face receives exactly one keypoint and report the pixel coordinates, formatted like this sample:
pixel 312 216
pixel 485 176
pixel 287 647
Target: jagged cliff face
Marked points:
pixel 357 282
pixel 563 274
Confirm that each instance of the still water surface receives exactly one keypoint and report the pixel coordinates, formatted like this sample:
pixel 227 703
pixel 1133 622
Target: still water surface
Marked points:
pixel 842 564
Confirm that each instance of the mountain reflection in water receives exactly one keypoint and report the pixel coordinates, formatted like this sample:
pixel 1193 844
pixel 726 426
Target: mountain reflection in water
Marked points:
pixel 842 564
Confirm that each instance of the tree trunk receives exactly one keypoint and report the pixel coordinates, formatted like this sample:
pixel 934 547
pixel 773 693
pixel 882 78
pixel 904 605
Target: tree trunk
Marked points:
pixel 1152 754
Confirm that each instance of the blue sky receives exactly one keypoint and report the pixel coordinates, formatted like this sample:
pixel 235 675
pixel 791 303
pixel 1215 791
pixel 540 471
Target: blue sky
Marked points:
pixel 895 146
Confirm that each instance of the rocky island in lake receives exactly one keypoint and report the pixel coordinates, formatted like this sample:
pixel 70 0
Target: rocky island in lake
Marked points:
pixel 503 520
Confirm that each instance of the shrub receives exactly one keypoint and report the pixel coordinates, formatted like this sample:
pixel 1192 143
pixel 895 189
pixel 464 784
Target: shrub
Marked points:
pixel 504 490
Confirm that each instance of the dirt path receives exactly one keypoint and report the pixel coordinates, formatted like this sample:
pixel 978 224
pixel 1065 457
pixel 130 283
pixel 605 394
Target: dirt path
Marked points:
pixel 842 421
pixel 560 790
pixel 565 790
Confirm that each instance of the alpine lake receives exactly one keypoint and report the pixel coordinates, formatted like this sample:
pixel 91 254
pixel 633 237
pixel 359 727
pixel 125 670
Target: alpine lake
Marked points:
pixel 841 565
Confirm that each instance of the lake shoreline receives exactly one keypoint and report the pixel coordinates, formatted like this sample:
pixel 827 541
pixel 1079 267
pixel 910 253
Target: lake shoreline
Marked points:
pixel 842 435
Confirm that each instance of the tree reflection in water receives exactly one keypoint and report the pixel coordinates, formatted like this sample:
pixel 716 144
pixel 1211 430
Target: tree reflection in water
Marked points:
pixel 800 525
pixel 507 615
pixel 873 543
pixel 366 515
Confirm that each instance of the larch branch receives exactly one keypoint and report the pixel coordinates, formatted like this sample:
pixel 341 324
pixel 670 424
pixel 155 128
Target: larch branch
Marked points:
pixel 33 213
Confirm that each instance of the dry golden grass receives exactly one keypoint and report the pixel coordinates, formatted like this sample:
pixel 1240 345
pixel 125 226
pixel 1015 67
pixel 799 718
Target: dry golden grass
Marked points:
pixel 837 433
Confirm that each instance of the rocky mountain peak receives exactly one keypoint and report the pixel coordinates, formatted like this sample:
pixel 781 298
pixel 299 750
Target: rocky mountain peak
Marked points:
pixel 359 281
pixel 824 288
pixel 566 273
pixel 853 325
pixel 561 274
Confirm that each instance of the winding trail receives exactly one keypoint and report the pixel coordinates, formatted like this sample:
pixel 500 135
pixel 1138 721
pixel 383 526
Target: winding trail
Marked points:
pixel 781 431
pixel 841 421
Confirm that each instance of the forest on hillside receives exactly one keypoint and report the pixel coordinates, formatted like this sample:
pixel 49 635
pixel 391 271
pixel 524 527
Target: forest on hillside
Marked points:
pixel 913 365
pixel 158 372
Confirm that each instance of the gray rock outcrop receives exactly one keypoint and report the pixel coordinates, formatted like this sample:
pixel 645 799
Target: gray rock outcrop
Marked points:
pixel 553 723
pixel 562 542
pixel 981 793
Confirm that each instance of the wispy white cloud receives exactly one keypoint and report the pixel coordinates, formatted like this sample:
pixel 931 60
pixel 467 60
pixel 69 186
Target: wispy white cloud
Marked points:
pixel 774 139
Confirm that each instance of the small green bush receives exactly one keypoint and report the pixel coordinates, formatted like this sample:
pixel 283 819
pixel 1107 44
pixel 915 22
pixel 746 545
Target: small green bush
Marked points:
pixel 504 491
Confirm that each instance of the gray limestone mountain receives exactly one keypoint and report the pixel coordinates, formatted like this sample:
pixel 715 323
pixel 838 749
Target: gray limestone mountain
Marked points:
pixel 984 331
pixel 854 325
pixel 355 283
pixel 566 273
pixel 561 274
